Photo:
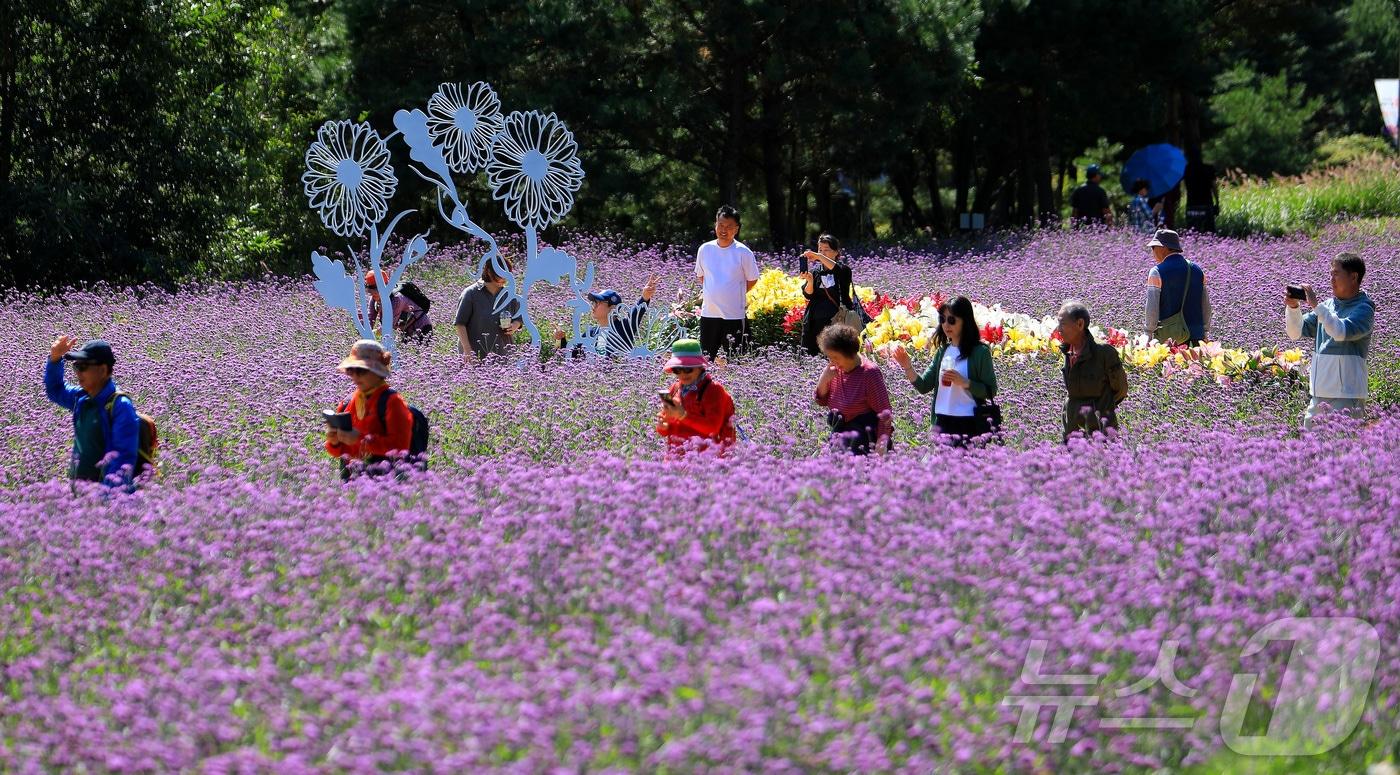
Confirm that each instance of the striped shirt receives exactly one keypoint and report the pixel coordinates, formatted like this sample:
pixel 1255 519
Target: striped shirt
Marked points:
pixel 859 391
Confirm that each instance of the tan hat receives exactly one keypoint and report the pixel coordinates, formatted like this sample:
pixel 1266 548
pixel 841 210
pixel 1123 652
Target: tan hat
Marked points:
pixel 367 354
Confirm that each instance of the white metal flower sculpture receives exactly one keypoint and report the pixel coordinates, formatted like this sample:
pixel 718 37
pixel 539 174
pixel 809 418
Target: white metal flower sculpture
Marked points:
pixel 349 180
pixel 348 177
pixel 464 124
pixel 531 162
pixel 534 169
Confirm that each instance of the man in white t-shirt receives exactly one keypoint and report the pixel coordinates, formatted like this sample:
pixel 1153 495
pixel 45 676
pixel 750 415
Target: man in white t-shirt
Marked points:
pixel 727 270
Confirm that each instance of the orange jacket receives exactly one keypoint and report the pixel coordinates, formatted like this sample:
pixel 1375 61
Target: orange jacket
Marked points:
pixel 364 417
pixel 709 414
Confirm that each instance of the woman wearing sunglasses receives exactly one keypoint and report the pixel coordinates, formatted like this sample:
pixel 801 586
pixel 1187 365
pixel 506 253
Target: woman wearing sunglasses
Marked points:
pixel 960 375
pixel 695 406
pixel 381 425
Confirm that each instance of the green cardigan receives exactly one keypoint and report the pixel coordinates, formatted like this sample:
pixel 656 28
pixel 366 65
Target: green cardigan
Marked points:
pixel 980 374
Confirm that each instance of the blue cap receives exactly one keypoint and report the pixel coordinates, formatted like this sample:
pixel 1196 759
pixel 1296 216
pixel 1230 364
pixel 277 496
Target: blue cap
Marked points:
pixel 608 295
pixel 95 351
pixel 1092 170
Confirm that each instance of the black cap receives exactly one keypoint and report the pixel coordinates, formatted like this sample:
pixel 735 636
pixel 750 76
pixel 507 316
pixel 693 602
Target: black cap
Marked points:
pixel 95 351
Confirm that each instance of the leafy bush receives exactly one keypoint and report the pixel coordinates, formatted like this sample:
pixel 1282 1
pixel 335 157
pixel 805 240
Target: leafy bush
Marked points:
pixel 1369 188
pixel 1351 149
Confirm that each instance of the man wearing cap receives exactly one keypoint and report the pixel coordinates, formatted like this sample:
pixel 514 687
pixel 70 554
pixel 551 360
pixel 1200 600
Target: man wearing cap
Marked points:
pixel 1178 306
pixel 97 432
pixel 613 336
pixel 1089 202
pixel 695 406
pixel 727 271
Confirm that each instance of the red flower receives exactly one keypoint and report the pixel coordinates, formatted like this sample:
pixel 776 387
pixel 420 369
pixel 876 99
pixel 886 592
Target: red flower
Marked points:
pixel 993 334
pixel 793 319
pixel 1117 338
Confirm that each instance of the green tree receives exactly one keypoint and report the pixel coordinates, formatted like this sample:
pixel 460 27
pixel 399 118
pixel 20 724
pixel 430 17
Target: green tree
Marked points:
pixel 134 136
pixel 1264 123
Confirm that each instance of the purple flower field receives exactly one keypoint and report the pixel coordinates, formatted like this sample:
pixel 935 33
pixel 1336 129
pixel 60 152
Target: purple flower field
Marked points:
pixel 554 596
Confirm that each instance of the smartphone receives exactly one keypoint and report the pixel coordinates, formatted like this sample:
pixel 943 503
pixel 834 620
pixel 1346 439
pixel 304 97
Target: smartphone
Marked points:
pixel 665 396
pixel 1296 292
pixel 802 264
pixel 337 420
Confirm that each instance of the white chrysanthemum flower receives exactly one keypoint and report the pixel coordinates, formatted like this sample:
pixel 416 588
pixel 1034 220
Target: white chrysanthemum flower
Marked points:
pixel 348 177
pixel 463 124
pixel 535 169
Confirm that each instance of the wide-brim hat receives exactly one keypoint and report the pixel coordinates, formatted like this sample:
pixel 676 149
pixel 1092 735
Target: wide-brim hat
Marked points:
pixel 369 355
pixel 685 353
pixel 1165 238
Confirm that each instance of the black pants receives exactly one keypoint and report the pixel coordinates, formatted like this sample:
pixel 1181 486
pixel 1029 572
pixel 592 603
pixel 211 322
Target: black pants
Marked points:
pixel 859 433
pixel 959 429
pixel 812 326
pixel 1200 218
pixel 715 333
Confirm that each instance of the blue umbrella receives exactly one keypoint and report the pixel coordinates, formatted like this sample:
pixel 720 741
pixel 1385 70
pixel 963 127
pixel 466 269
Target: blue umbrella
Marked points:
pixel 1161 165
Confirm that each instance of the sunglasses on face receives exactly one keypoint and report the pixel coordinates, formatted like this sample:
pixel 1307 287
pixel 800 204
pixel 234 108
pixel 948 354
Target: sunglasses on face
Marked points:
pixel 947 321
pixel 82 366
pixel 684 369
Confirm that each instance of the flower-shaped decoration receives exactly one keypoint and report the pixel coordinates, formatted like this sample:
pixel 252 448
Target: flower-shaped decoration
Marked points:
pixel 534 169
pixel 348 177
pixel 464 124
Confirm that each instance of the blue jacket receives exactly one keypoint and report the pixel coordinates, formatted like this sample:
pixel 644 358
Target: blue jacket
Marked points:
pixel 121 429
pixel 1341 333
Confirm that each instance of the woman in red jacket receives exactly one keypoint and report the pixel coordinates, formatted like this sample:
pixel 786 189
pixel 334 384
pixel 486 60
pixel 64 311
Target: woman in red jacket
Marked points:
pixel 382 426
pixel 696 406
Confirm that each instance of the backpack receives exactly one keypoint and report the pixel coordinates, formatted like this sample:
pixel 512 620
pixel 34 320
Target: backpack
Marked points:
pixel 418 440
pixel 148 438
pixel 416 295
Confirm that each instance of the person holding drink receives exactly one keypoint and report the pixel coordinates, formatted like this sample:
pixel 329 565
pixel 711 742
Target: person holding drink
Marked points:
pixel 481 330
pixel 960 375
pixel 826 286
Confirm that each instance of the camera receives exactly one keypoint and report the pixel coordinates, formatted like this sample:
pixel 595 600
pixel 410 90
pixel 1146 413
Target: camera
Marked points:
pixel 1296 292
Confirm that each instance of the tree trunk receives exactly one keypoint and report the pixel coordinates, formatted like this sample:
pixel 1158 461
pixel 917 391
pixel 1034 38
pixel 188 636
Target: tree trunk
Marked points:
pixel 773 163
pixel 733 136
pixel 905 178
pixel 963 151
pixel 1025 175
pixel 797 197
pixel 821 198
pixel 1040 148
pixel 9 62
pixel 990 182
pixel 936 218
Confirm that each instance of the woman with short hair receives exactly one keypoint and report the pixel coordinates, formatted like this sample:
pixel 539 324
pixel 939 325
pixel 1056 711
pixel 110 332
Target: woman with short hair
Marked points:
pixel 853 391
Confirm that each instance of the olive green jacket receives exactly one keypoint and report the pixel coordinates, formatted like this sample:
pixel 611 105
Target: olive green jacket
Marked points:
pixel 1095 385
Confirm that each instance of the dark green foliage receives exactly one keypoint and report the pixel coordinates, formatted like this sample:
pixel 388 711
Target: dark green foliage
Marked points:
pixel 163 140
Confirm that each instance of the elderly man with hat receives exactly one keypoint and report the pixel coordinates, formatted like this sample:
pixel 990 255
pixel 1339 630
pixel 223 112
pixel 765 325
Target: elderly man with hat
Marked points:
pixel 695 406
pixel 1089 202
pixel 106 428
pixel 1178 305
pixel 613 335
